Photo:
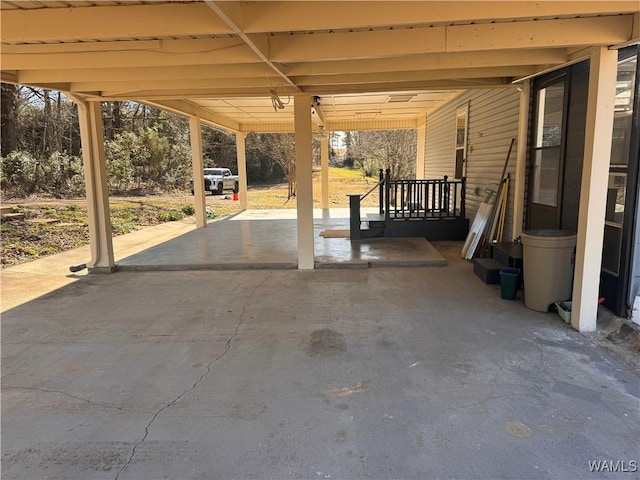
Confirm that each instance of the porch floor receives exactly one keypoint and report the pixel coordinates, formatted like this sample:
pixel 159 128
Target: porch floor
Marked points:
pixel 325 374
pixel 259 239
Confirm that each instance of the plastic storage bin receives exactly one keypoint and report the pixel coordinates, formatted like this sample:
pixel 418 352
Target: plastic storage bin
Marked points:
pixel 548 259
pixel 509 282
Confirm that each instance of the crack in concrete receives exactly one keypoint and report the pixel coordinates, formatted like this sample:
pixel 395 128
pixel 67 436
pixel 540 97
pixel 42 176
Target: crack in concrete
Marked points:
pixel 208 368
pixel 75 397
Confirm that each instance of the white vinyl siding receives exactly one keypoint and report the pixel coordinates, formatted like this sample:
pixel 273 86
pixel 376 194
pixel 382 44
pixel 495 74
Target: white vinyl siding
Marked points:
pixel 492 123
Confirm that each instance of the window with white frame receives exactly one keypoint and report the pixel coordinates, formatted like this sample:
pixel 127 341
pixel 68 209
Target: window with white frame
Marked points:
pixel 462 115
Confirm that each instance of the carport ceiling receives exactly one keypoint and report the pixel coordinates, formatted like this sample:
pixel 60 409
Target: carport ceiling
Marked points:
pixel 371 64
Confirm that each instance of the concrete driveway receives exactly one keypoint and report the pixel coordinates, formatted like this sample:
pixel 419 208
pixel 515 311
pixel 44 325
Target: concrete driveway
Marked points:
pixel 326 374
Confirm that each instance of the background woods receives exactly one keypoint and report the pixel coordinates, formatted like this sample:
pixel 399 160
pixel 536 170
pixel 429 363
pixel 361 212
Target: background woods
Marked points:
pixel 147 150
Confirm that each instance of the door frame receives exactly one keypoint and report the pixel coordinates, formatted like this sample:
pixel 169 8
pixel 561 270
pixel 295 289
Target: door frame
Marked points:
pixel 564 76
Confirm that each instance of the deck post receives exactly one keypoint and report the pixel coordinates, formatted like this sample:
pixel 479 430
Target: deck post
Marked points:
pixel 387 193
pixel 354 217
pixel 446 195
pixel 381 192
pixel 463 196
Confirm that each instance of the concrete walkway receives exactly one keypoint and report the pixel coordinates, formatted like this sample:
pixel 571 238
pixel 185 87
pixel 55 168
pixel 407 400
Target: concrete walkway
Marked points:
pixel 350 373
pixel 29 281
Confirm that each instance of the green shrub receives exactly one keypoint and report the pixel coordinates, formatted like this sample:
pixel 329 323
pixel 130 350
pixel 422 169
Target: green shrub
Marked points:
pixel 188 210
pixel 170 216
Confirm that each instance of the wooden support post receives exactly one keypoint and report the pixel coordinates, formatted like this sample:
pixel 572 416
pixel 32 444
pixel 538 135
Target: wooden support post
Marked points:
pixel 593 193
pixel 304 181
pixel 242 168
pixel 420 150
pixel 324 167
pixel 93 157
pixel 521 160
pixel 198 171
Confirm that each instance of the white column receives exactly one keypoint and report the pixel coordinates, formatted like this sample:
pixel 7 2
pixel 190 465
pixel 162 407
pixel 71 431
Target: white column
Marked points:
pixel 593 193
pixel 324 167
pixel 420 150
pixel 304 180
pixel 198 171
pixel 95 172
pixel 242 168
pixel 521 160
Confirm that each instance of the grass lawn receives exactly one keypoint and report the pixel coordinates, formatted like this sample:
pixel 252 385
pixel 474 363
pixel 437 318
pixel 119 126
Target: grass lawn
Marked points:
pixel 53 225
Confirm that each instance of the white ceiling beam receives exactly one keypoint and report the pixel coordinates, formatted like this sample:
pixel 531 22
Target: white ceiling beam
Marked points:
pixel 258 43
pixel 635 36
pixel 259 70
pixel 285 16
pixel 109 23
pixel 267 127
pixel 375 124
pixel 355 45
pixel 464 38
pixel 161 85
pixel 431 61
pixel 183 72
pixel 195 19
pixel 415 86
pixel 183 93
pixel 335 125
pixel 8 77
pixel 391 77
pixel 78 47
pixel 322 118
pixel 171 53
pixel 562 32
pixel 183 107
pixel 263 84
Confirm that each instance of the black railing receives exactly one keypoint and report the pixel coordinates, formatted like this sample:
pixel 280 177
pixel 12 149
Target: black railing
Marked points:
pixel 412 200
pixel 354 206
pixel 424 199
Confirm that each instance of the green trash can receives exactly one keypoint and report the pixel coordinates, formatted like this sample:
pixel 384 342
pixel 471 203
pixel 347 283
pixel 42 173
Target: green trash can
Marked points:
pixel 509 283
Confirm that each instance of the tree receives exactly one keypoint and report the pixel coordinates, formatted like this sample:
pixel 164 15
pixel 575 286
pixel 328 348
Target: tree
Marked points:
pixel 8 119
pixel 219 148
pixel 394 150
pixel 280 147
pixel 260 164
pixel 349 157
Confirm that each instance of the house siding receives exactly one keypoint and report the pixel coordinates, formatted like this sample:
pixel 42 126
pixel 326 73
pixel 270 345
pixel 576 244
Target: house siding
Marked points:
pixel 492 123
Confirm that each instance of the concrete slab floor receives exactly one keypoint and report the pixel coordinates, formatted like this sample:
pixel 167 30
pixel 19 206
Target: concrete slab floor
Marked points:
pixel 259 239
pixel 363 373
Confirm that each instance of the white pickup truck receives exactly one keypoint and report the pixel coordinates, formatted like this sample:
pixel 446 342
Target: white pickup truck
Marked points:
pixel 217 180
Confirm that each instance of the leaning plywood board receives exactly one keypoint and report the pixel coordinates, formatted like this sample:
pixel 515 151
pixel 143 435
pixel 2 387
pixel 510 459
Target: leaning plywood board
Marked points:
pixel 497 211
pixel 479 223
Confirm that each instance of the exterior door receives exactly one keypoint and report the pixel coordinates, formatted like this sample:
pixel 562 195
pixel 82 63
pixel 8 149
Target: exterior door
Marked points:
pixel 547 157
pixel 621 211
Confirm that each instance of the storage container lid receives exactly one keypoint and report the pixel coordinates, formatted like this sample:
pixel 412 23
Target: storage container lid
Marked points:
pixel 549 233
